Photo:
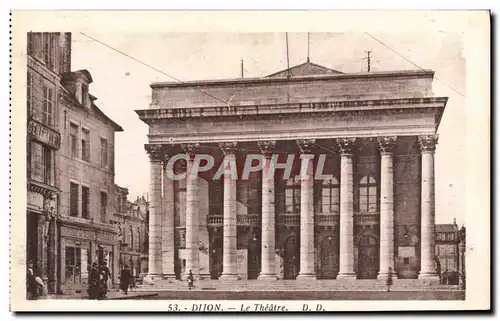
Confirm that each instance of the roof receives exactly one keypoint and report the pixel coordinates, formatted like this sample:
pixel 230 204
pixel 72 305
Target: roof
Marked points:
pixel 68 96
pixel 440 228
pixel 305 69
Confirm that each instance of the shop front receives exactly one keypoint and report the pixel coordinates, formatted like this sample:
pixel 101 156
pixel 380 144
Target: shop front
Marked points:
pixel 81 245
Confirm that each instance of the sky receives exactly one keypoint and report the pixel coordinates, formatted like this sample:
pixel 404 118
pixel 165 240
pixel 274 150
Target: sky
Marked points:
pixel 121 84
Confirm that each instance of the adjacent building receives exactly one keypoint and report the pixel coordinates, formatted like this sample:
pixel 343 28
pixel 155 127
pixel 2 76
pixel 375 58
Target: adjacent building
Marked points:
pixel 130 219
pixel 48 57
pixel 71 168
pixel 450 248
pixel 373 217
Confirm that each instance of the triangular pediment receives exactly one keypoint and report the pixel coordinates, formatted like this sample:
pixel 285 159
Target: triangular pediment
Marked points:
pixel 306 69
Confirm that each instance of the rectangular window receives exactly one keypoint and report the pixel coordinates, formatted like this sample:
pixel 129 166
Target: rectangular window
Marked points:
pixel 36 161
pixel 73 140
pixel 73 199
pixel 85 202
pixel 73 265
pixel 406 260
pixel 31 43
pixel 86 145
pixel 42 167
pixel 104 204
pixel 48 106
pixel 48 49
pixel 47 166
pixel 85 94
pixel 29 93
pixel 104 152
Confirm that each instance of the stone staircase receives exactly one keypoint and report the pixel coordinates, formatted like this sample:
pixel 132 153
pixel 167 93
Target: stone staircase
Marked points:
pixel 296 285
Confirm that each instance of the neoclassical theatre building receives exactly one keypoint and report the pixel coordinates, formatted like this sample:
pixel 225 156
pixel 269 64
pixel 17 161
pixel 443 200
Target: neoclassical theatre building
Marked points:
pixel 374 214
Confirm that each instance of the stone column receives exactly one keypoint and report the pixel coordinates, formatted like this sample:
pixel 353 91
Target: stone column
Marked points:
pixel 268 255
pixel 386 145
pixel 346 264
pixel 229 229
pixel 306 210
pixel 167 242
pixel 192 214
pixel 428 229
pixel 155 217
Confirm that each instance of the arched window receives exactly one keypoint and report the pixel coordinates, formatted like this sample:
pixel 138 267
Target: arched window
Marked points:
pixel 367 195
pixel 330 196
pixel 131 238
pixel 138 240
pixel 292 195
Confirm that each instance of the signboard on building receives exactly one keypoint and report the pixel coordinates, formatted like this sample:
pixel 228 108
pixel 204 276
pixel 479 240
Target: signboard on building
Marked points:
pixel 44 134
pixel 35 200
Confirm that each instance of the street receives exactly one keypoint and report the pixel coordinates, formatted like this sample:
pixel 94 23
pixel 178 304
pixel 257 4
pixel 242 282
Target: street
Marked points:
pixel 308 295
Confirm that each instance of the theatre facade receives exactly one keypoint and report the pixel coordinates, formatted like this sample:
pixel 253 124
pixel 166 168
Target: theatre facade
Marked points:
pixel 364 206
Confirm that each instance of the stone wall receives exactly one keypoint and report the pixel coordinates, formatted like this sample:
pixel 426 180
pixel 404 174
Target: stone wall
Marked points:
pixel 310 89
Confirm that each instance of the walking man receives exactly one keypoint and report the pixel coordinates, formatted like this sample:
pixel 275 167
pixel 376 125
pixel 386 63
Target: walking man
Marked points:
pixel 389 280
pixel 125 279
pixel 190 280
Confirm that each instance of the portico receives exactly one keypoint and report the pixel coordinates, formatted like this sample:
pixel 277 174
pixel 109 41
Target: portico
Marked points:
pixel 352 195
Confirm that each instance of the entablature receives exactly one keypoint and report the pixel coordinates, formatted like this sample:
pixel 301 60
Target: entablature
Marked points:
pixel 150 116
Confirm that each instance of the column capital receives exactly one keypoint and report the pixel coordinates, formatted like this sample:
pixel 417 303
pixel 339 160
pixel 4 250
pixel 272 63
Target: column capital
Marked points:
pixel 428 143
pixel 306 145
pixel 386 144
pixel 156 152
pixel 191 149
pixel 228 148
pixel 347 145
pixel 266 147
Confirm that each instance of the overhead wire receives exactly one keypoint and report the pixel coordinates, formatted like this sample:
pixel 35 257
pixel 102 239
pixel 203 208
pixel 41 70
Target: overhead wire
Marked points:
pixel 410 61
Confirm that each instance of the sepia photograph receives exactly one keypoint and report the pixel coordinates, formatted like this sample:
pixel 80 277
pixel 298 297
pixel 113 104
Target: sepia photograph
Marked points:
pixel 240 170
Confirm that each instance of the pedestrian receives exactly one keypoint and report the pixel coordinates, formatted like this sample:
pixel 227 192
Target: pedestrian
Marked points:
pixel 445 277
pixel 190 280
pixel 105 275
pixel 389 280
pixel 94 286
pixel 125 279
pixel 31 284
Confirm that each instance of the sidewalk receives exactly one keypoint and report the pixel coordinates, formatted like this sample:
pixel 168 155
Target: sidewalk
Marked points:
pixel 112 295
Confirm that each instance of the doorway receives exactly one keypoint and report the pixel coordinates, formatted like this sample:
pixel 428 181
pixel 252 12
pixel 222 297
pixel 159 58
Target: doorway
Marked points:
pixel 329 260
pixel 32 238
pixel 291 258
pixel 216 257
pixel 368 260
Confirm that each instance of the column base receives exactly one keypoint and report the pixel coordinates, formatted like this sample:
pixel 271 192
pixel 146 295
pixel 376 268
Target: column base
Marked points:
pixel 346 276
pixel 229 277
pixel 306 276
pixel 270 276
pixel 385 276
pixel 431 276
pixel 152 278
pixel 185 276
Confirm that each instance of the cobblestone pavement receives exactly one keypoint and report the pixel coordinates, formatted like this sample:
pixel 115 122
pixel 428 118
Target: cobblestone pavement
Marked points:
pixel 308 295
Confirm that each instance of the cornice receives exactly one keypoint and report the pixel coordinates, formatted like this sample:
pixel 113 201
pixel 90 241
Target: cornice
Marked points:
pixel 264 80
pixel 153 115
